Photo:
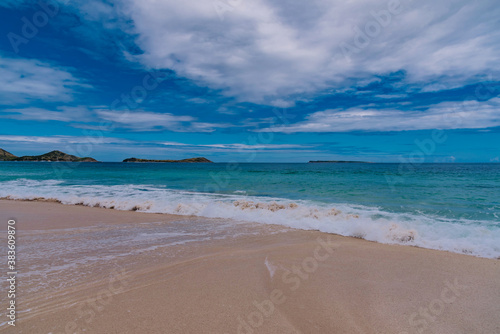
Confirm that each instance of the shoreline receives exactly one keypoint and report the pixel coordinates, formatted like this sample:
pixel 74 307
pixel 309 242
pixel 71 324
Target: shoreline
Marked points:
pixel 137 209
pixel 119 271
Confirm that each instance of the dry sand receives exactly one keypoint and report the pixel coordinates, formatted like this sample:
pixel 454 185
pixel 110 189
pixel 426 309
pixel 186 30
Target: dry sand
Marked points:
pixel 92 270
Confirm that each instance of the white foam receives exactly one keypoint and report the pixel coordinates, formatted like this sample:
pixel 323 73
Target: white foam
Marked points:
pixel 270 267
pixel 480 238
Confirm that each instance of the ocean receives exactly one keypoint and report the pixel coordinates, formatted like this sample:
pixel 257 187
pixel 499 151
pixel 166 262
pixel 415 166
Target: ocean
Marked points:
pixel 453 207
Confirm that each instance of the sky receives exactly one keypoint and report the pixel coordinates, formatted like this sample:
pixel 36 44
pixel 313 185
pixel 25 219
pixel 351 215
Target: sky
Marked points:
pixel 252 81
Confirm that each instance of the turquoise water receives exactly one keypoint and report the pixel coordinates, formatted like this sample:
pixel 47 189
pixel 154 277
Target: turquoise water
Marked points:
pixel 454 207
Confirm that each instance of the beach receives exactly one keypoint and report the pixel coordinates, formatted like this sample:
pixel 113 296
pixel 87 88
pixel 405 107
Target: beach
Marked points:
pixel 249 167
pixel 96 270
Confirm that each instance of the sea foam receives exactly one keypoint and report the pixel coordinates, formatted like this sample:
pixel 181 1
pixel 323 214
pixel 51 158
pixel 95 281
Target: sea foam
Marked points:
pixel 479 238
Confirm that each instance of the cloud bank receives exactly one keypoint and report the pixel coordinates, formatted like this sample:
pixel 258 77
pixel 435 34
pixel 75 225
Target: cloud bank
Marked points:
pixel 445 115
pixel 272 52
pixel 24 80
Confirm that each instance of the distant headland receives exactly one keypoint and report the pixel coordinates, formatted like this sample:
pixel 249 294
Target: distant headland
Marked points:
pixel 51 156
pixel 338 162
pixel 197 160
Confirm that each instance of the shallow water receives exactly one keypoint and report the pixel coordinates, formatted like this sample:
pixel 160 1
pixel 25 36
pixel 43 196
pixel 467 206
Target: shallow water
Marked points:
pixel 453 207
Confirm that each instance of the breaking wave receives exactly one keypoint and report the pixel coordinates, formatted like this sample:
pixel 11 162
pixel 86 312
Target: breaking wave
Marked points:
pixel 479 238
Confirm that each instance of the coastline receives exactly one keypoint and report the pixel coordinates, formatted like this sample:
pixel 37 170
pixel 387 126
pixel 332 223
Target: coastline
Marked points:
pixel 234 277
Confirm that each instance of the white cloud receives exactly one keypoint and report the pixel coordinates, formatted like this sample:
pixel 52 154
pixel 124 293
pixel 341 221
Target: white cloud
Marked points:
pixel 63 114
pixel 173 143
pixel 150 121
pixel 267 51
pixel 446 115
pixel 112 140
pixel 137 120
pixel 255 147
pixel 198 100
pixel 239 146
pixel 391 96
pixel 280 103
pixel 62 139
pixel 22 80
pixel 270 51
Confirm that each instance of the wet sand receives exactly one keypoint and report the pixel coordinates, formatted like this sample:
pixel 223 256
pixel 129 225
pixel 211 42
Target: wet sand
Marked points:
pixel 93 270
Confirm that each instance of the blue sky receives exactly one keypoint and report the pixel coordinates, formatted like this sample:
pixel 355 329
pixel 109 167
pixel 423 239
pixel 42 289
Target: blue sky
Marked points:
pixel 252 81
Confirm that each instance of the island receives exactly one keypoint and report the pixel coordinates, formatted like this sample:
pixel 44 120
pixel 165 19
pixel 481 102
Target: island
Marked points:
pixel 6 156
pixel 191 160
pixel 338 162
pixel 51 156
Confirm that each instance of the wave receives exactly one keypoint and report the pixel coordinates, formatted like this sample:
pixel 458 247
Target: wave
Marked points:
pixel 479 238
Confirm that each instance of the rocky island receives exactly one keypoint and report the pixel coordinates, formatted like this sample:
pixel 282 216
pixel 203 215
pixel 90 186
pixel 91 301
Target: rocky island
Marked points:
pixel 6 156
pixel 51 156
pixel 198 160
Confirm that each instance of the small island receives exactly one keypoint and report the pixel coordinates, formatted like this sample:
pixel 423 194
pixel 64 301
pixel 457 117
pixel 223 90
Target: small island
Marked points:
pixel 338 162
pixel 190 160
pixel 51 156
pixel 6 156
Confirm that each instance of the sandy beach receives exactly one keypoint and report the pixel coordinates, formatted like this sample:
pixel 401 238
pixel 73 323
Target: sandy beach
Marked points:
pixel 249 167
pixel 93 270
